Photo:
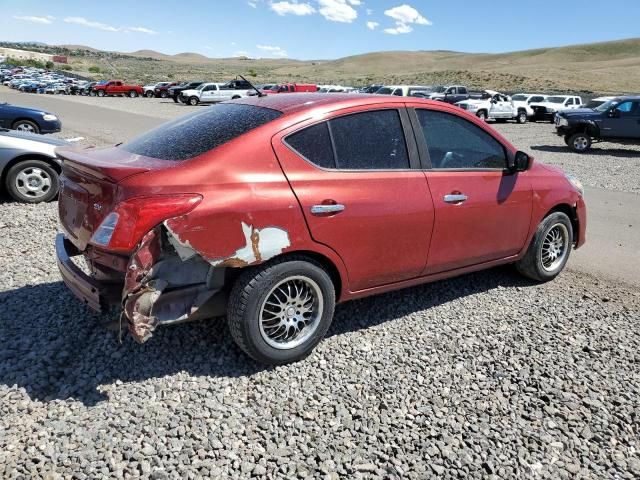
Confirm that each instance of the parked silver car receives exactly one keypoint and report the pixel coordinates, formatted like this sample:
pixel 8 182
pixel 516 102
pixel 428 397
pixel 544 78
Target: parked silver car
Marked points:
pixel 29 168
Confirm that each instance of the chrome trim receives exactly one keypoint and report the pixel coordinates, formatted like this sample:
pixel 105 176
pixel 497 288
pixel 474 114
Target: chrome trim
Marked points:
pixel 324 209
pixel 455 198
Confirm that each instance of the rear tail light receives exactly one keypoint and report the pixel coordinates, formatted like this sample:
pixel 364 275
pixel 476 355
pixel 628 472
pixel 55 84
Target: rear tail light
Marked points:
pixel 123 228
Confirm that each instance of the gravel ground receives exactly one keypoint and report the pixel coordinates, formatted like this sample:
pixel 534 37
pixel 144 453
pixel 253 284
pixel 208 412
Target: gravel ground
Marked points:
pixel 484 376
pixel 608 166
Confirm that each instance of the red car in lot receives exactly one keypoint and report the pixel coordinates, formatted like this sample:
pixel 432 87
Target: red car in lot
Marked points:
pixel 273 209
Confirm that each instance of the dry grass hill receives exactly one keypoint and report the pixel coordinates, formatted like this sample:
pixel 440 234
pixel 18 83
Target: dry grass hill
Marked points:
pixel 609 67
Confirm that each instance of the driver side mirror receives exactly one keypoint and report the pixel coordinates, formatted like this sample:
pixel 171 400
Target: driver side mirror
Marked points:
pixel 520 162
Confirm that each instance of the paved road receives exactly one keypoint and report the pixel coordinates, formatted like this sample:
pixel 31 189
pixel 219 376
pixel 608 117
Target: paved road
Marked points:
pixel 613 234
pixel 100 125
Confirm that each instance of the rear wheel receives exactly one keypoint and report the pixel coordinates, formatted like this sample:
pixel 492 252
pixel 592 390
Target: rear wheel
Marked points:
pixel 579 142
pixel 164 95
pixel 193 101
pixel 278 312
pixel 550 248
pixel 235 97
pixel 133 94
pixel 26 126
pixel 149 94
pixel 32 181
pixel 522 117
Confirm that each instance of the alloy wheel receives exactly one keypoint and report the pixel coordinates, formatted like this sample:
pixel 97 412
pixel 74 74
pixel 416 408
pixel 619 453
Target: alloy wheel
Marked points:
pixel 291 312
pixel 555 247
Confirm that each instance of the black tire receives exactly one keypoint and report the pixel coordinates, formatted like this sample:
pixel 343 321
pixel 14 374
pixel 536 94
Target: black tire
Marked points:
pixel 149 94
pixel 580 142
pixel 522 117
pixel 482 115
pixel 164 95
pixel 175 99
pixel 133 94
pixel 251 291
pixel 193 101
pixel 566 139
pixel 28 166
pixel 235 97
pixel 101 93
pixel 26 126
pixel 531 265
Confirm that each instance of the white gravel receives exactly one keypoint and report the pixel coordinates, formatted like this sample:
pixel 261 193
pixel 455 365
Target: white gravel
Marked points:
pixel 609 166
pixel 484 376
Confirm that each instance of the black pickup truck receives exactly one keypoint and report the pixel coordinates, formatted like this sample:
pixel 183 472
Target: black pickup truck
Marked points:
pixel 616 121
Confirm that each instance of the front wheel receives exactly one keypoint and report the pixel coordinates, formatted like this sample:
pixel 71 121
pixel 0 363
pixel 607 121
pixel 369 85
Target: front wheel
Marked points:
pixel 193 101
pixel 278 312
pixel 32 181
pixel 164 95
pixel 579 142
pixel 101 93
pixel 26 126
pixel 550 248
pixel 482 115
pixel 149 94
pixel 133 94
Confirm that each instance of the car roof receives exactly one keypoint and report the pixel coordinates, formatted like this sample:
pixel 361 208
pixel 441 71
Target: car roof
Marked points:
pixel 627 97
pixel 291 104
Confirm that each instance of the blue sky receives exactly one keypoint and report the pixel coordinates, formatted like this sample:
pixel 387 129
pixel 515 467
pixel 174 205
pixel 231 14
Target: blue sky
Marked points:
pixel 317 29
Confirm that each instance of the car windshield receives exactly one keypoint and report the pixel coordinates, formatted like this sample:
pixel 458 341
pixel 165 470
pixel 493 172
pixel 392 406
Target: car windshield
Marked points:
pixel 197 133
pixel 519 98
pixel 606 106
pixel 384 91
pixel 556 99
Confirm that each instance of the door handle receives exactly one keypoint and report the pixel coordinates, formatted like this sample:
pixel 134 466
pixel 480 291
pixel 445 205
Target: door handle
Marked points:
pixel 327 209
pixel 455 198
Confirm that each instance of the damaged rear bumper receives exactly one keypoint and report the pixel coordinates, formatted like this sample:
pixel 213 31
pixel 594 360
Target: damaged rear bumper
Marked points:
pixel 99 296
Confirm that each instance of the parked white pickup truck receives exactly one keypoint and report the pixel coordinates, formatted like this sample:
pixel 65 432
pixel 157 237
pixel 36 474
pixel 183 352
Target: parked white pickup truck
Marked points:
pixel 524 100
pixel 495 106
pixel 215 92
pixel 547 110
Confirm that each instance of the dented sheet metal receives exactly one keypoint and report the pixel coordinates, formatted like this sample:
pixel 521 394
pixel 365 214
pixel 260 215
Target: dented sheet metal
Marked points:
pixel 167 279
pixel 139 293
pixel 261 244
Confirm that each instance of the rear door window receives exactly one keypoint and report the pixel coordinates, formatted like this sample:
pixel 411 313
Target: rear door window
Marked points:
pixel 314 144
pixel 197 133
pixel 360 141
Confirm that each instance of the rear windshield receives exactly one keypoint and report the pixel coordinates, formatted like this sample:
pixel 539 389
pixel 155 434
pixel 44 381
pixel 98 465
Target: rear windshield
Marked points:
pixel 194 134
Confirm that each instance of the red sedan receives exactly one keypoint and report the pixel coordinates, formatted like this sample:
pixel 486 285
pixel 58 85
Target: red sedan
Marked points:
pixel 273 209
